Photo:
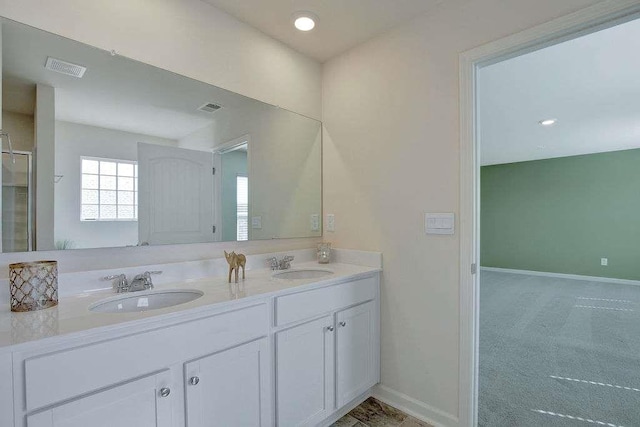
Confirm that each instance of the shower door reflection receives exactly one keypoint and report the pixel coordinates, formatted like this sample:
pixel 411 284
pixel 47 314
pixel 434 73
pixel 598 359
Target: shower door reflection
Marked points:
pixel 16 202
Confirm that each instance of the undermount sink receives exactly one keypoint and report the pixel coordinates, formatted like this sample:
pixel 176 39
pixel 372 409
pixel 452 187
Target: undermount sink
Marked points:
pixel 144 301
pixel 308 273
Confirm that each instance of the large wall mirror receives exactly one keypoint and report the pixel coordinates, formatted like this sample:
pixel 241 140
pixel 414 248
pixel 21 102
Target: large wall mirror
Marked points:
pixel 103 151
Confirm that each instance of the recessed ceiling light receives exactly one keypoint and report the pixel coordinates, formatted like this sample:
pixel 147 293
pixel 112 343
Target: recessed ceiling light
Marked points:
pixel 547 122
pixel 304 21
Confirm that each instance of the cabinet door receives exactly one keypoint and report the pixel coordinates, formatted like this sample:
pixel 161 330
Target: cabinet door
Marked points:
pixel 146 402
pixel 355 351
pixel 305 373
pixel 230 388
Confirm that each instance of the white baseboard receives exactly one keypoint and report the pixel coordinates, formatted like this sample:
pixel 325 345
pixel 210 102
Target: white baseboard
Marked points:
pixel 563 276
pixel 413 407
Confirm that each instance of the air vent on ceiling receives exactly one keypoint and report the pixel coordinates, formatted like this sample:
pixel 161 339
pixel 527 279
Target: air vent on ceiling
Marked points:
pixel 64 67
pixel 209 107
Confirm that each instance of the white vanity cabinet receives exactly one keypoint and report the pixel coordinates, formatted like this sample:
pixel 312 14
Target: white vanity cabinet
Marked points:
pixel 6 390
pixel 146 402
pixel 229 388
pixel 325 363
pixel 305 372
pixel 356 346
pixel 310 350
pixel 138 379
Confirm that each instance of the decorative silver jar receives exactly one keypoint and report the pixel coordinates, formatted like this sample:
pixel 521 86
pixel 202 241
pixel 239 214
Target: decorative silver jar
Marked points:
pixel 34 285
pixel 324 253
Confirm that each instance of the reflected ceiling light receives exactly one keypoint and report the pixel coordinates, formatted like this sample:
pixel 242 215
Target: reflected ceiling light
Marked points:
pixel 547 122
pixel 304 21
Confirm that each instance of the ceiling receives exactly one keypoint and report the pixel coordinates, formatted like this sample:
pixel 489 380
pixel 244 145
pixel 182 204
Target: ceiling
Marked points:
pixel 115 92
pixel 342 24
pixel 591 85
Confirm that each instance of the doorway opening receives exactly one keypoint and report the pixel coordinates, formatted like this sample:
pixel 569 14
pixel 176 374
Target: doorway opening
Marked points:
pixel 233 189
pixel 552 321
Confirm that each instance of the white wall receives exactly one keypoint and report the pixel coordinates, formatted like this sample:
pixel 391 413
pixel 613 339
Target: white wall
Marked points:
pixel 21 128
pixel 189 37
pixel 72 142
pixel 44 166
pixel 285 174
pixel 391 153
pixel 197 40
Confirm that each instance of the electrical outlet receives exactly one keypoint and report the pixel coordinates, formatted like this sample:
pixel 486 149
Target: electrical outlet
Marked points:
pixel 331 222
pixel 604 261
pixel 256 222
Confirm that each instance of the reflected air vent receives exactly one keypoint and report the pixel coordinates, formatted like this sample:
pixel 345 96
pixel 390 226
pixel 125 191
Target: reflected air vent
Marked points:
pixel 64 67
pixel 210 107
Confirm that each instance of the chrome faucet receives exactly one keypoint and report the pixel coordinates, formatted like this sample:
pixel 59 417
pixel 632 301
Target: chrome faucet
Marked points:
pixel 120 282
pixel 142 282
pixel 283 264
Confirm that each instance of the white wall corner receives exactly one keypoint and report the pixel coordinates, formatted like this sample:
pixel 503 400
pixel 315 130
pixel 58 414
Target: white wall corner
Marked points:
pixel 414 407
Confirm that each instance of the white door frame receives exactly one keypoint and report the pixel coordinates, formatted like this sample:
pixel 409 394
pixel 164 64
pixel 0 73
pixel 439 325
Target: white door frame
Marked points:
pixel 591 19
pixel 218 151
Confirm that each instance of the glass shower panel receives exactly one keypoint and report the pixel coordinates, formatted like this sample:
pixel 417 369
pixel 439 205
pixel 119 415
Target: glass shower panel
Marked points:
pixel 16 203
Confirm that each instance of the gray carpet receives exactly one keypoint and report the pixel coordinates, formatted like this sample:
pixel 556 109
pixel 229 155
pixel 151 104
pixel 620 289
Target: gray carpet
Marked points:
pixel 552 349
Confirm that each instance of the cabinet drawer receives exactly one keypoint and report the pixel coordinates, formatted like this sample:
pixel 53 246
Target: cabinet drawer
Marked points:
pixel 303 305
pixel 58 376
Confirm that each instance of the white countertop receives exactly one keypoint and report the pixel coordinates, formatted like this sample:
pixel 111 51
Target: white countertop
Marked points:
pixel 72 315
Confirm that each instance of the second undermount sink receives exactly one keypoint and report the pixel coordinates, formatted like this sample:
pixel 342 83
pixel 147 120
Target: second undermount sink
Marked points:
pixel 145 300
pixel 308 273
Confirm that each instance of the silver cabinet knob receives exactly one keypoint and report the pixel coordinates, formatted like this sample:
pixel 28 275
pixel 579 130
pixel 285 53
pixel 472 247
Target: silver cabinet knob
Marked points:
pixel 194 380
pixel 330 328
pixel 165 392
pixel 343 324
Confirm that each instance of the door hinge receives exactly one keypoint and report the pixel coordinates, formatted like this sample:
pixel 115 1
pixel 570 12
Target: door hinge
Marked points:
pixel 214 171
pixel 214 228
pixel 474 268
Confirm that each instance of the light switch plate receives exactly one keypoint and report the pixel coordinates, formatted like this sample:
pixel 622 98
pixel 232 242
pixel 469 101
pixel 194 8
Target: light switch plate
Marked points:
pixel 331 222
pixel 439 223
pixel 315 222
pixel 256 222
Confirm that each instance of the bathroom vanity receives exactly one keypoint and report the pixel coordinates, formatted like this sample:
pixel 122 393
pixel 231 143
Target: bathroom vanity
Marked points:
pixel 153 159
pixel 267 351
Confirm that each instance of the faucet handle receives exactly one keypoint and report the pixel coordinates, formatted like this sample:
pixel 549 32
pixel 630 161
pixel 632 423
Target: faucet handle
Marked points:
pixel 143 280
pixel 147 274
pixel 120 283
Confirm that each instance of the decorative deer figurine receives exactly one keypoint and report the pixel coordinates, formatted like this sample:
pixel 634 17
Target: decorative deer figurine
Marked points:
pixel 235 262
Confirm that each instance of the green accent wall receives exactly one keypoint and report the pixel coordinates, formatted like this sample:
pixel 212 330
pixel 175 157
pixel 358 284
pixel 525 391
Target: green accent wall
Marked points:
pixel 233 163
pixel 562 215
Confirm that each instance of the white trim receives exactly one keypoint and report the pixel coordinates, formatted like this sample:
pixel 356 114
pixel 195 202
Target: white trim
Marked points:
pixel 590 19
pixel 218 151
pixel 230 145
pixel 563 276
pixel 413 407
